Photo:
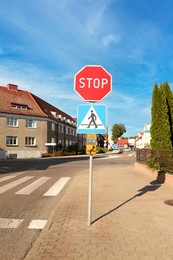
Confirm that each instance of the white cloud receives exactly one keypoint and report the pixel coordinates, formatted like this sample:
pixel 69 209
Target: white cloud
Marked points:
pixel 146 111
pixel 110 38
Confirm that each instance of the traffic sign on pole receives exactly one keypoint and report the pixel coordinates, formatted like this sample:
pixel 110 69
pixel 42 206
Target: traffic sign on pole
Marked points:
pixel 91 140
pixel 93 83
pixel 91 119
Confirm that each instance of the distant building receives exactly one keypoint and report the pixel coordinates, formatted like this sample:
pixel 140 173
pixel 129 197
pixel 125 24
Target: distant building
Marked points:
pixel 144 138
pixel 29 126
pixel 110 143
pixel 123 143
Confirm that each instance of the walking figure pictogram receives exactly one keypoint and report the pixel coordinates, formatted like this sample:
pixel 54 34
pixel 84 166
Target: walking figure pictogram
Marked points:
pixel 93 119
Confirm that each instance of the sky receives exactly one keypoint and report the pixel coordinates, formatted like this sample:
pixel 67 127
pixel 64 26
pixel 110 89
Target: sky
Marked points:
pixel 44 43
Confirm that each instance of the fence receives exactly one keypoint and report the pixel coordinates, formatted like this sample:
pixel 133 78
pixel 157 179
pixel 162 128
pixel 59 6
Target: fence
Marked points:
pixel 142 155
pixel 160 159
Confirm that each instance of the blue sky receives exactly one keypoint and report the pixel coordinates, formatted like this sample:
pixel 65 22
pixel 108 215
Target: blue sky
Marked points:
pixel 43 43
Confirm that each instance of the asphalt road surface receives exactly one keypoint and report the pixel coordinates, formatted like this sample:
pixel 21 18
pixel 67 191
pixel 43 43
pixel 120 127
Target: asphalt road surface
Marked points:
pixel 29 189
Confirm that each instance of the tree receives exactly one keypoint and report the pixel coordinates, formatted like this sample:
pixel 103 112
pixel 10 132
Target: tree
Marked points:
pixel 169 101
pixel 117 131
pixel 160 124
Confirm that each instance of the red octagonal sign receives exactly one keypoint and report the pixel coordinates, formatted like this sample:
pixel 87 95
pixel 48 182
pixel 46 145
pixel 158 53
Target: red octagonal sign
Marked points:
pixel 93 83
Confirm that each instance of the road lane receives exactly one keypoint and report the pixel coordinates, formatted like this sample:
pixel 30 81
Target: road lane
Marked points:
pixel 33 211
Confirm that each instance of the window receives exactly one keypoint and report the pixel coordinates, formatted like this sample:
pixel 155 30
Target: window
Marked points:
pixel 19 106
pixel 30 123
pixel 11 121
pixel 11 140
pixel 53 127
pixel 61 128
pixel 70 131
pixel 52 140
pixel 29 141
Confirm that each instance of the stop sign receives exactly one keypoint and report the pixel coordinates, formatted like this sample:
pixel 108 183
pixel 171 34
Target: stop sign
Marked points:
pixel 93 83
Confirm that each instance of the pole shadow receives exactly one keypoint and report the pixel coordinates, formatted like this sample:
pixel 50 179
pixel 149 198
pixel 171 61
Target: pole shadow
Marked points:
pixel 153 186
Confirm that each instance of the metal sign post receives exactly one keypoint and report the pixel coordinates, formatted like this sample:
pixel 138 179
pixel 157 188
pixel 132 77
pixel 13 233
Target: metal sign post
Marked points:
pixel 91 140
pixel 92 83
pixel 90 191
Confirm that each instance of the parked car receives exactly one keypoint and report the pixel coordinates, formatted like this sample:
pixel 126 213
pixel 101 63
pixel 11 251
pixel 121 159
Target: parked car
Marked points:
pixel 128 149
pixel 117 150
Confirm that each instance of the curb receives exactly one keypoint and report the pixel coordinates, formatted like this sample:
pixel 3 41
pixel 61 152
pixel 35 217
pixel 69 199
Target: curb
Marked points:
pixel 153 173
pixel 30 254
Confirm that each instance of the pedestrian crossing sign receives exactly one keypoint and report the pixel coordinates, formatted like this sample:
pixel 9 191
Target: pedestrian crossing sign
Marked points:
pixel 91 119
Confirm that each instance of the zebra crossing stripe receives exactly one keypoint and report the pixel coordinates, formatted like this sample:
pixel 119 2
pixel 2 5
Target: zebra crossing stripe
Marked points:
pixel 57 187
pixel 37 224
pixel 6 178
pixel 14 183
pixel 9 223
pixel 33 186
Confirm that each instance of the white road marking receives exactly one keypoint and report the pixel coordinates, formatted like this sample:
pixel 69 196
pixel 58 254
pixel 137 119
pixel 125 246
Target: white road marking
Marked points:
pixel 9 223
pixel 37 224
pixel 14 184
pixel 108 157
pixel 33 186
pixel 6 178
pixel 115 156
pixel 57 187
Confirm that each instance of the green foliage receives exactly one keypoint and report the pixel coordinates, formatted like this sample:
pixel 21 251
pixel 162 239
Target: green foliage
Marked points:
pixel 169 101
pixel 73 147
pixel 161 123
pixel 59 147
pixel 128 137
pixel 101 150
pixel 117 131
pixel 152 162
pixel 81 151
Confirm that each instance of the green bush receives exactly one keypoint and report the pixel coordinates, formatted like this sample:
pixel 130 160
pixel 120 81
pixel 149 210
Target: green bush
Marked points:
pixel 101 150
pixel 81 151
pixel 153 162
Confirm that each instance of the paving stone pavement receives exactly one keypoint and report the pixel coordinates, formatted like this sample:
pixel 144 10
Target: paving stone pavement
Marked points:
pixel 130 220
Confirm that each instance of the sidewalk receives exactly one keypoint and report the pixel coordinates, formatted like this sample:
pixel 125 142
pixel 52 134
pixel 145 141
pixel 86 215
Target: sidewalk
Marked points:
pixel 130 219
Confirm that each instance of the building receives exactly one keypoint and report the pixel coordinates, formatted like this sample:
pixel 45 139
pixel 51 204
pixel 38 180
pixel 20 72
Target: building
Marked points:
pixel 123 143
pixel 143 139
pixel 29 126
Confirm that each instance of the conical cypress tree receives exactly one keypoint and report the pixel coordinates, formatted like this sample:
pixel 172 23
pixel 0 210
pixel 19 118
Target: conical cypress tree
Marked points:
pixel 160 125
pixel 169 100
pixel 165 129
pixel 154 130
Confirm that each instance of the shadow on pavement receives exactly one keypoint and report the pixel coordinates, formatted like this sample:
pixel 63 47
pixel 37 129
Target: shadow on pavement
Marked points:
pixel 18 165
pixel 154 185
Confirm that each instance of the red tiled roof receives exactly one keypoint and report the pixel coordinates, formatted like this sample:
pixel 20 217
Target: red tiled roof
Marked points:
pixel 48 108
pixel 11 95
pixel 19 97
pixel 122 142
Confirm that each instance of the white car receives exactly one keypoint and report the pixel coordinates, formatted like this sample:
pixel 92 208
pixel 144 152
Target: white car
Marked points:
pixel 128 149
pixel 117 151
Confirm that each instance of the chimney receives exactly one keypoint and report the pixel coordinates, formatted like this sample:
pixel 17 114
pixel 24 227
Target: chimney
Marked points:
pixel 12 87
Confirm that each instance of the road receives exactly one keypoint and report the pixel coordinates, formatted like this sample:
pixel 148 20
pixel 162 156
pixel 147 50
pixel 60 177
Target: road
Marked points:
pixel 29 189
